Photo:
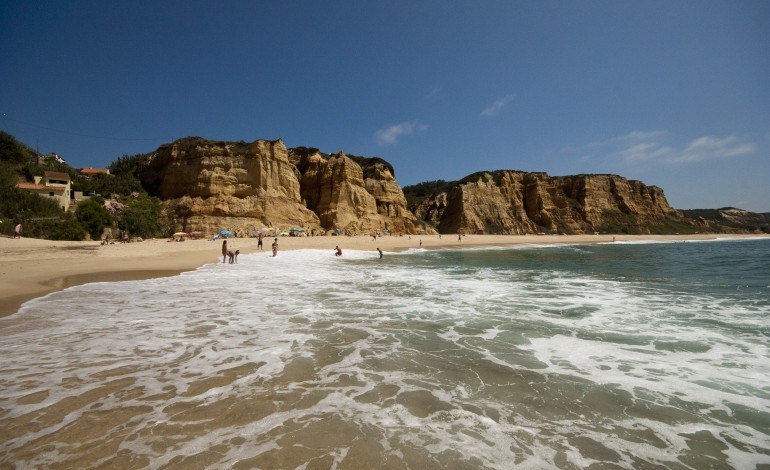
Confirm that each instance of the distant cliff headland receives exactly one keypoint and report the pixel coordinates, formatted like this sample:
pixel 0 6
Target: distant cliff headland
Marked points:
pixel 207 185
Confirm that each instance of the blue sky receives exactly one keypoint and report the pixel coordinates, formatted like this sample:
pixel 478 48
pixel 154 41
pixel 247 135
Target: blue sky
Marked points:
pixel 673 93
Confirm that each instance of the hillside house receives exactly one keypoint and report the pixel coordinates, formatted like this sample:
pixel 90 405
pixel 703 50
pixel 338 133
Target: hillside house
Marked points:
pixel 52 184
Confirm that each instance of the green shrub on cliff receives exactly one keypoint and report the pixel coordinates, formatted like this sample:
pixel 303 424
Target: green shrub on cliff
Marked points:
pixel 67 228
pixel 93 216
pixel 143 217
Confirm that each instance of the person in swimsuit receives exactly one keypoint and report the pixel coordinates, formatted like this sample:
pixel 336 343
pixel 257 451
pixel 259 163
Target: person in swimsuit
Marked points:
pixel 224 251
pixel 275 248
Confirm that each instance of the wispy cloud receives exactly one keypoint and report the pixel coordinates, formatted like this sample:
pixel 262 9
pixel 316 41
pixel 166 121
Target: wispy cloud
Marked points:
pixel 391 135
pixel 658 147
pixel 710 148
pixel 497 106
pixel 433 93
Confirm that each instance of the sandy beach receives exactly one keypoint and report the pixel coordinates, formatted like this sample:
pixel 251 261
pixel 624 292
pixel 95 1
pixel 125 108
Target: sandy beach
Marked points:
pixel 32 268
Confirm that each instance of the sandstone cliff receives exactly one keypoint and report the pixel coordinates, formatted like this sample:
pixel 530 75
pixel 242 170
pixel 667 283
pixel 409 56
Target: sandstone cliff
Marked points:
pixel 515 202
pixel 358 195
pixel 212 185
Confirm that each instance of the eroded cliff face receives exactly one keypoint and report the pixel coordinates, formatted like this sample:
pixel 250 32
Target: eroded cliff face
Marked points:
pixel 214 185
pixel 513 202
pixel 349 196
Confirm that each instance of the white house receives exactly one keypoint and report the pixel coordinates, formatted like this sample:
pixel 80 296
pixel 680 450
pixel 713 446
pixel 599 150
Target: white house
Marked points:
pixel 52 184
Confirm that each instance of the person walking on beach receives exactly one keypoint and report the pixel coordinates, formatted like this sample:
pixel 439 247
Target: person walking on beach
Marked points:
pixel 224 251
pixel 275 248
pixel 380 252
pixel 259 240
pixel 17 230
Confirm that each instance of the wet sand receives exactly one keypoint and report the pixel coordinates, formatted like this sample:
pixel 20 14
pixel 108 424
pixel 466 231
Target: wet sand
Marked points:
pixel 31 268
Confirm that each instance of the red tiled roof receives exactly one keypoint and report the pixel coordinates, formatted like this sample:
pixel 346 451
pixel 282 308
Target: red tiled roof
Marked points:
pixel 93 171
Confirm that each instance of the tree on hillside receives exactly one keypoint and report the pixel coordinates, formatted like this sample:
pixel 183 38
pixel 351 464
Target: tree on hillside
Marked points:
pixel 93 216
pixel 106 185
pixel 143 217
pixel 13 151
pixel 126 165
pixel 68 228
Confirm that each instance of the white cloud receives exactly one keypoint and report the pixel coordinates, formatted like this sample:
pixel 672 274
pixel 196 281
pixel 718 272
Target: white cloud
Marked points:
pixel 391 135
pixel 433 93
pixel 644 152
pixel 657 147
pixel 497 106
pixel 641 136
pixel 710 148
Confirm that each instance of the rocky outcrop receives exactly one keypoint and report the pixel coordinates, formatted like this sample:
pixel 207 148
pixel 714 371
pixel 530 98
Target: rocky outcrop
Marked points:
pixel 212 185
pixel 728 220
pixel 355 195
pixel 514 202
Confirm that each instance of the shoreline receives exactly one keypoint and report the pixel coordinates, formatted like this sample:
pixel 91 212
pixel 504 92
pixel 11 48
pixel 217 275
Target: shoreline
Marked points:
pixel 33 268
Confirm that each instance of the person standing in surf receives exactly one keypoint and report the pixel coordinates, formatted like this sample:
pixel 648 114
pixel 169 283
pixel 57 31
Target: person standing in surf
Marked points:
pixel 224 251
pixel 275 248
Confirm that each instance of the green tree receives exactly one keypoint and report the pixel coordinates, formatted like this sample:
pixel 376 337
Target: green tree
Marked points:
pixel 68 228
pixel 93 216
pixel 13 151
pixel 143 217
pixel 106 185
pixel 126 165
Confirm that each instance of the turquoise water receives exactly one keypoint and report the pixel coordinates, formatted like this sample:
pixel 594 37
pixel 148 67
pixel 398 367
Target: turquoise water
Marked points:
pixel 615 355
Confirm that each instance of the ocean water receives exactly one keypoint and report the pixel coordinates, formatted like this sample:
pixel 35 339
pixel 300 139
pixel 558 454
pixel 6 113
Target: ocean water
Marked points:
pixel 652 355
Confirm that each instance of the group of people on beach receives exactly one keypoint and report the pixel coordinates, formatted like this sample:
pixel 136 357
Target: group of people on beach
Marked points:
pixel 232 256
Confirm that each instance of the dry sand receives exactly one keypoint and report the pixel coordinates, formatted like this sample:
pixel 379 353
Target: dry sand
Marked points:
pixel 31 268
